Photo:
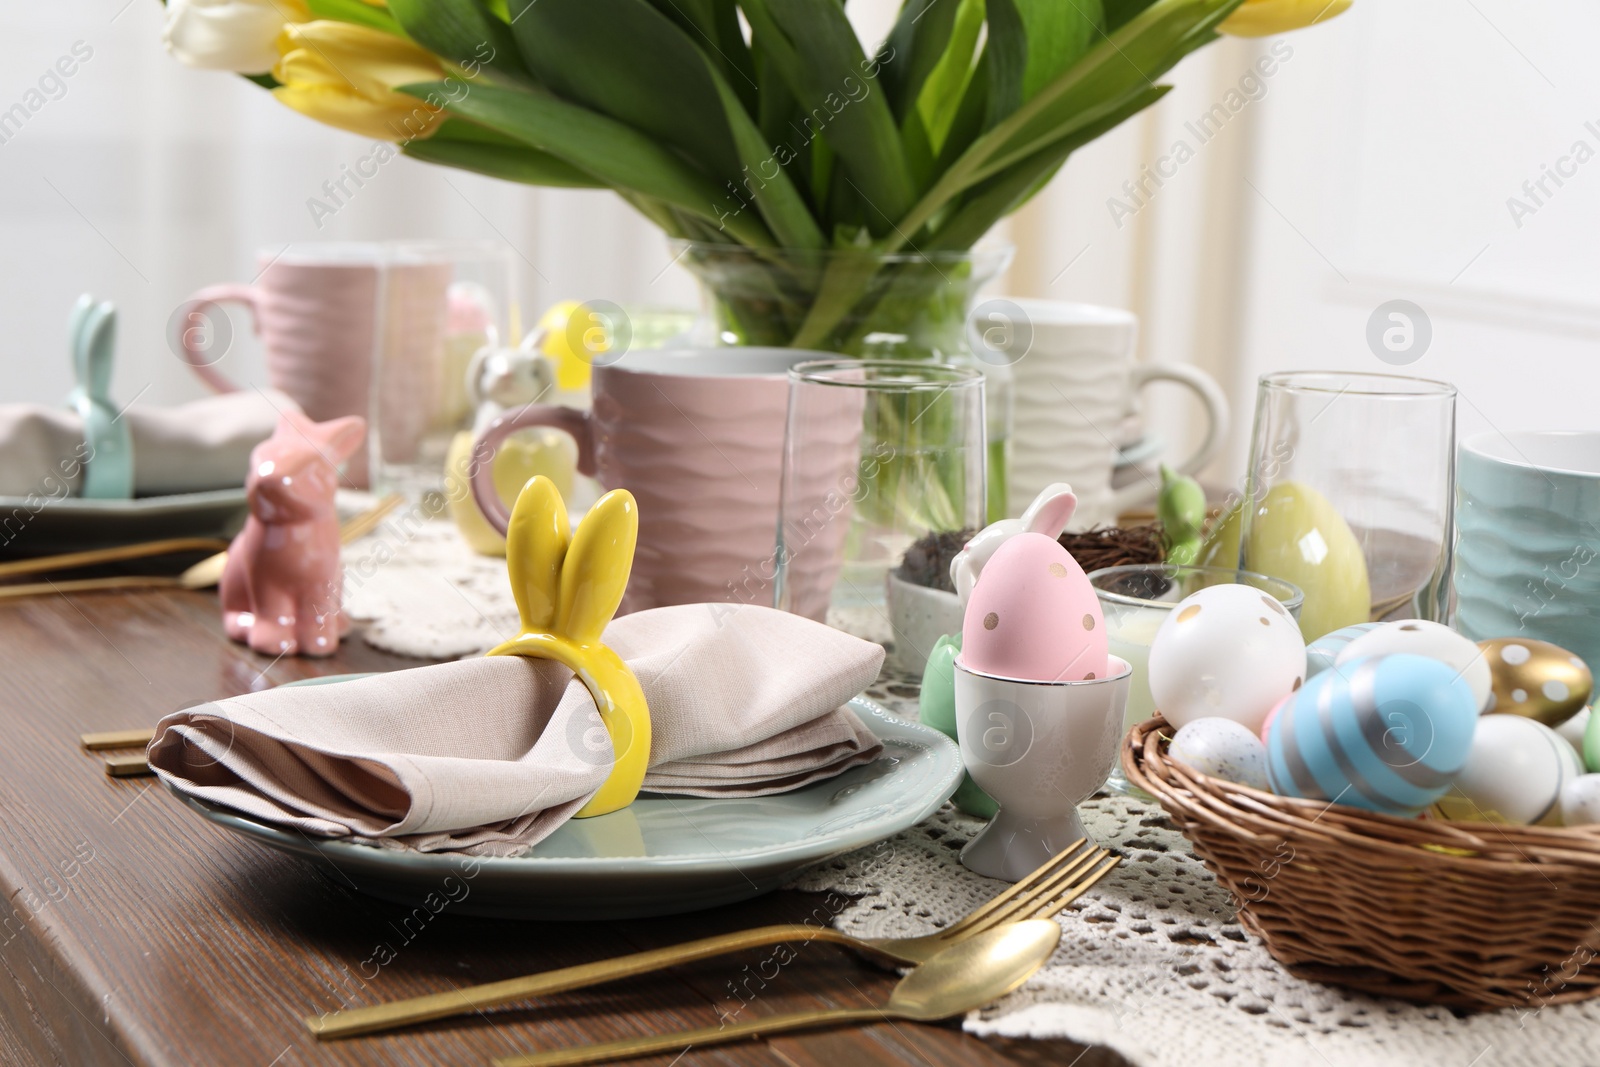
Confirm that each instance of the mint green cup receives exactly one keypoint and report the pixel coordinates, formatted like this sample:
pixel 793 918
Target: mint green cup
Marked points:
pixel 1528 549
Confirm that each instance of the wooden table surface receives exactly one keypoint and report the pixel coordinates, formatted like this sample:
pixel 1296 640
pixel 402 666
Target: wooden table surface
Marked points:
pixel 133 932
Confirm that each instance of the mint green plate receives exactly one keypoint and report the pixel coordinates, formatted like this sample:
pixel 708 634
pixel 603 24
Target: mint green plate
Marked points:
pixel 662 854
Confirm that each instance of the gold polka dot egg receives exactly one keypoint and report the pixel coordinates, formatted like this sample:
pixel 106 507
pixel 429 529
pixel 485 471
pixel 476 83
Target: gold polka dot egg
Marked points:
pixel 1227 650
pixel 1536 680
pixel 1034 616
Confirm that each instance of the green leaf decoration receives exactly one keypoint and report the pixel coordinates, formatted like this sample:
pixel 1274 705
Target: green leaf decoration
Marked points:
pixel 612 152
pixel 912 49
pixel 465 32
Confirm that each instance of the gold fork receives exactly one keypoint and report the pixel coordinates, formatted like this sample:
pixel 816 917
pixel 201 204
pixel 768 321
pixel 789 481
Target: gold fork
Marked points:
pixel 1040 895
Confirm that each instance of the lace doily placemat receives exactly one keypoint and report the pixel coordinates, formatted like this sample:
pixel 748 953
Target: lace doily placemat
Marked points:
pixel 1153 963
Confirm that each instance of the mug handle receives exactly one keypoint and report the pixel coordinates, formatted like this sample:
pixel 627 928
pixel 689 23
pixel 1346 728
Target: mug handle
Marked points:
pixel 480 467
pixel 1205 387
pixel 192 353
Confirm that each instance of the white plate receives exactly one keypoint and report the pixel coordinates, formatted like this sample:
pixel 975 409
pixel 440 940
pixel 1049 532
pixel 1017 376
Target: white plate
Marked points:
pixel 40 526
pixel 662 854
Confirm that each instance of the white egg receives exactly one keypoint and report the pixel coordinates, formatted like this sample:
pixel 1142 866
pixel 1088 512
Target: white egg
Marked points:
pixel 1222 748
pixel 1573 729
pixel 1580 801
pixel 1419 637
pixel 1229 651
pixel 1514 773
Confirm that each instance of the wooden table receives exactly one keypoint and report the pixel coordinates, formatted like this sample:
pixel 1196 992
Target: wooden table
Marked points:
pixel 133 932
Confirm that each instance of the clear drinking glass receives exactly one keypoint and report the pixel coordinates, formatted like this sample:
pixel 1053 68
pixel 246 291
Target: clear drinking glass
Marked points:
pixel 439 302
pixel 877 454
pixel 1135 601
pixel 1349 495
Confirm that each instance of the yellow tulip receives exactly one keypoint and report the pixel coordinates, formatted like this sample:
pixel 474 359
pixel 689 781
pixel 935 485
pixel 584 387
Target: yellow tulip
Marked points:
pixel 345 75
pixel 1261 18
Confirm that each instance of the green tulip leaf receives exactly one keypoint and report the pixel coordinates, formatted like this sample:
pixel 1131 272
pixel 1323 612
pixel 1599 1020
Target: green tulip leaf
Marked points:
pixel 1031 43
pixel 612 152
pixel 464 32
pixel 467 146
pixel 357 12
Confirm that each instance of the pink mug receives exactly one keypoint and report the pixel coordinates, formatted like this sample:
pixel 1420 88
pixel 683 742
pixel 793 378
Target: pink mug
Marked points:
pixel 316 309
pixel 697 436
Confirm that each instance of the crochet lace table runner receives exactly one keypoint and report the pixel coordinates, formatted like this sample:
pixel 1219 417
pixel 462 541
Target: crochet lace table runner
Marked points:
pixel 1153 963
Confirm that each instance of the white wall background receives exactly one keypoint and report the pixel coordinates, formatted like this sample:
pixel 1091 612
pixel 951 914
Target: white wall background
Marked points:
pixel 1376 165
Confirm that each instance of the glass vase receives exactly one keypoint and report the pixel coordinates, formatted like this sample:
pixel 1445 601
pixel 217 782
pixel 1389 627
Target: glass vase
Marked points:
pixel 866 305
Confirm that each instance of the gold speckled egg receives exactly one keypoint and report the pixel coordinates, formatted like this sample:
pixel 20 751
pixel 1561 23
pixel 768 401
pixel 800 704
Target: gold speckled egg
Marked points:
pixel 1536 680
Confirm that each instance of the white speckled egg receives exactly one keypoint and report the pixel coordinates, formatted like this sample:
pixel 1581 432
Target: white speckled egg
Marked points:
pixel 1418 637
pixel 1580 801
pixel 1228 650
pixel 1224 749
pixel 1515 773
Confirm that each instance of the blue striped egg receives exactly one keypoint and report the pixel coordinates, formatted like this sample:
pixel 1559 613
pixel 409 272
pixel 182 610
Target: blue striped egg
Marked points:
pixel 1387 733
pixel 1321 653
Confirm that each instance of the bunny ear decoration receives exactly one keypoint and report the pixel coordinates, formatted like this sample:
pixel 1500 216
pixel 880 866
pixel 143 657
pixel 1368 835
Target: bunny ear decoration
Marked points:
pixel 567 587
pixel 1051 510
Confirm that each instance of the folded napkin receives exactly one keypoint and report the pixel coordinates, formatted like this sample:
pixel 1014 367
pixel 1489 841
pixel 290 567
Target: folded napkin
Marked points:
pixel 491 755
pixel 202 445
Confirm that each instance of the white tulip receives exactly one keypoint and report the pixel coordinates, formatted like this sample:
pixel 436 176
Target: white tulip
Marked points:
pixel 236 35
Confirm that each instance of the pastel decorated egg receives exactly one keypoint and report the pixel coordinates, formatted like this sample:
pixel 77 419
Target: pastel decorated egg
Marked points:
pixel 1222 748
pixel 1034 616
pixel 1514 773
pixel 1573 729
pixel 1266 724
pixel 1387 734
pixel 1418 637
pixel 1321 653
pixel 1536 679
pixel 1226 650
pixel 1580 801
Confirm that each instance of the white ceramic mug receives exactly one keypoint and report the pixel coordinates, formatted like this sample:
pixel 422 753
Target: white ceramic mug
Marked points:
pixel 1075 385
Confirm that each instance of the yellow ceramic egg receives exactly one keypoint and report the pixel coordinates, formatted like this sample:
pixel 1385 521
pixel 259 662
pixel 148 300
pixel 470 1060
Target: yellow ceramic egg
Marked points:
pixel 521 456
pixel 1299 536
pixel 1536 680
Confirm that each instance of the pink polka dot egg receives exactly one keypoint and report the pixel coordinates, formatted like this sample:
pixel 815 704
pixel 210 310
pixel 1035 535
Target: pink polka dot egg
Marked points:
pixel 1033 616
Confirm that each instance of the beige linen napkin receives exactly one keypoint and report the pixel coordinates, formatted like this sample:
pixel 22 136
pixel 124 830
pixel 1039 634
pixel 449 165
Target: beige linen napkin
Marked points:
pixel 190 448
pixel 491 755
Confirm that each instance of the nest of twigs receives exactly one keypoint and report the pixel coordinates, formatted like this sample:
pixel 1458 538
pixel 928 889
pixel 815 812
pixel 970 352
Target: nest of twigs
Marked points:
pixel 927 563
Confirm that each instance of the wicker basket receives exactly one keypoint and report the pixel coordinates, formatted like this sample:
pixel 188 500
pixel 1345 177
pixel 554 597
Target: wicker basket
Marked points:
pixel 1467 915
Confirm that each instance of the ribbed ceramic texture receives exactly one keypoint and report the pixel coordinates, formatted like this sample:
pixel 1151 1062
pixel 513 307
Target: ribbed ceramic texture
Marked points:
pixel 1528 555
pixel 703 457
pixel 1071 396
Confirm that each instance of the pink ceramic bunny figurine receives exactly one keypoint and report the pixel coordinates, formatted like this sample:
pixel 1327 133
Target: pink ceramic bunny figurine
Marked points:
pixel 282 586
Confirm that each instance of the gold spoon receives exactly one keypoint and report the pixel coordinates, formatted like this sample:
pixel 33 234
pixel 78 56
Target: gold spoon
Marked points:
pixel 965 976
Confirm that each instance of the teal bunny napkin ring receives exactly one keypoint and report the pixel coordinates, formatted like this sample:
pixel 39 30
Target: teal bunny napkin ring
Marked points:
pixel 108 466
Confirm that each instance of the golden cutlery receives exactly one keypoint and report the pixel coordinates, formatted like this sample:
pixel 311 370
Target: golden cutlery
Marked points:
pixel 110 739
pixel 127 766
pixel 966 975
pixel 1040 895
pixel 203 575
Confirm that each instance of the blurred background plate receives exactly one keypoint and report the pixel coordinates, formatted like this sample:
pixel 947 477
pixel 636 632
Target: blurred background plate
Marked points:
pixel 41 526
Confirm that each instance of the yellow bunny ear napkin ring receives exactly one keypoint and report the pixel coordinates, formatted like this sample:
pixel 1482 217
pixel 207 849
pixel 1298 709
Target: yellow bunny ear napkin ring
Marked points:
pixel 567 586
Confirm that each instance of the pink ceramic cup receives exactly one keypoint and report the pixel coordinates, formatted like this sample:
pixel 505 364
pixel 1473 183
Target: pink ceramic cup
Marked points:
pixel 315 307
pixel 697 436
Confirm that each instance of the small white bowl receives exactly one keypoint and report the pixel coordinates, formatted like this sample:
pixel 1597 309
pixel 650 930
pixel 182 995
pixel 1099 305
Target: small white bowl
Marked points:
pixel 919 616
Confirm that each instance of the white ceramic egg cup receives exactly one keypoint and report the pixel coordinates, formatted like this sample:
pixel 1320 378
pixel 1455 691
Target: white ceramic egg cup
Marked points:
pixel 1039 749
